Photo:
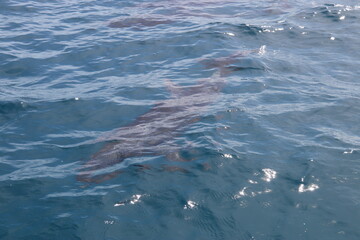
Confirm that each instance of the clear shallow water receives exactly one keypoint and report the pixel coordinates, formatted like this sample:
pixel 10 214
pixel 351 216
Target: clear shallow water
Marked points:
pixel 274 155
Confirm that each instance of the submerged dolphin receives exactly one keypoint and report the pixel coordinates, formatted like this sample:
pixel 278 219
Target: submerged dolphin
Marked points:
pixel 138 22
pixel 151 134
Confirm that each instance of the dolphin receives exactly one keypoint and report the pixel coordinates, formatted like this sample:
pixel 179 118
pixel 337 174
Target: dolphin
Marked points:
pixel 152 133
pixel 138 22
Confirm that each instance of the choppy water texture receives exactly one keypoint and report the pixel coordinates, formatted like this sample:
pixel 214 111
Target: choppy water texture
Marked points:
pixel 272 153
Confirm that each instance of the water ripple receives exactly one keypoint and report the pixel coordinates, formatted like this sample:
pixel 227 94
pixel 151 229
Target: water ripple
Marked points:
pixel 265 95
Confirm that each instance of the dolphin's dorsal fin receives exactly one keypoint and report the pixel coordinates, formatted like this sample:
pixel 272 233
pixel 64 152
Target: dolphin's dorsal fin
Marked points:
pixel 176 90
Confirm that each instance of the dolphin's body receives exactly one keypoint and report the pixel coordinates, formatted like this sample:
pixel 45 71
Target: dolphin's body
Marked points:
pixel 152 133
pixel 138 22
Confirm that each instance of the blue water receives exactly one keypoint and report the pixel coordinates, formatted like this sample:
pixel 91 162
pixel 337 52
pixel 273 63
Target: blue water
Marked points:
pixel 274 154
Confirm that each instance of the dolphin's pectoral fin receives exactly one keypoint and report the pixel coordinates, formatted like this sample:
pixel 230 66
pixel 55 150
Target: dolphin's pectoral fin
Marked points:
pixel 206 166
pixel 88 178
pixel 176 157
pixel 170 168
pixel 141 167
pixel 194 120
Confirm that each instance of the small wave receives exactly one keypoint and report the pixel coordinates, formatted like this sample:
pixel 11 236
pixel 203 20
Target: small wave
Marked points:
pixel 34 169
pixel 13 107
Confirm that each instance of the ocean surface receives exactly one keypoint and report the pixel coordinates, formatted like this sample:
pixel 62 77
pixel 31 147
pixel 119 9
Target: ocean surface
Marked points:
pixel 143 119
